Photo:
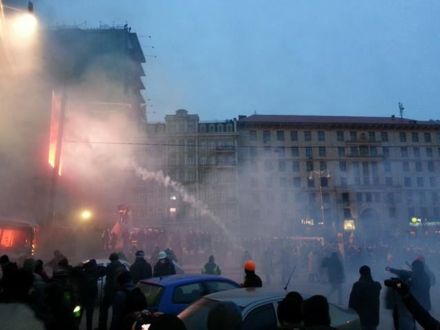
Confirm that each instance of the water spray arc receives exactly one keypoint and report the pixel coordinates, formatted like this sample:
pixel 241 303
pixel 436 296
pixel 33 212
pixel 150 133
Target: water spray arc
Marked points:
pixel 198 205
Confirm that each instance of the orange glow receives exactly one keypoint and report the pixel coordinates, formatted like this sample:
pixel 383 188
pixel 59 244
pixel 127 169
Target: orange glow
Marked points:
pixel 7 238
pixel 54 131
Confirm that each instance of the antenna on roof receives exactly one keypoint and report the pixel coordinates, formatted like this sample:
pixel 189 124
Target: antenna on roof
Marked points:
pixel 401 108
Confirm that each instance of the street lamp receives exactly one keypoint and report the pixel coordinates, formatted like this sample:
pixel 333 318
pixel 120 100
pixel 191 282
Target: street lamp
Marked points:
pixel 86 215
pixel 24 26
pixel 320 174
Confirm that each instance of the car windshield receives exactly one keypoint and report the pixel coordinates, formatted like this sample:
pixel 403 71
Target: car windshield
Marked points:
pixel 196 315
pixel 152 293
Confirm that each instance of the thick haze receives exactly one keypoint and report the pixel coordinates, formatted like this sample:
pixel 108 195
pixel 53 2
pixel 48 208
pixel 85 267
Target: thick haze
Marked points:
pixel 224 58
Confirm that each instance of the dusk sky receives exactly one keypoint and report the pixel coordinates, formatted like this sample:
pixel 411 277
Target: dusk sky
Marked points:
pixel 224 58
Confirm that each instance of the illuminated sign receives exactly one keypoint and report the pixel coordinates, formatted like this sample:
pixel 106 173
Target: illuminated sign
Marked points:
pixel 308 221
pixel 416 222
pixel 349 225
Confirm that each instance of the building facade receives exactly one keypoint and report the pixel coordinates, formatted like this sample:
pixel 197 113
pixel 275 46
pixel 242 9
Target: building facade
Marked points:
pixel 99 73
pixel 311 172
pixel 301 175
pixel 201 157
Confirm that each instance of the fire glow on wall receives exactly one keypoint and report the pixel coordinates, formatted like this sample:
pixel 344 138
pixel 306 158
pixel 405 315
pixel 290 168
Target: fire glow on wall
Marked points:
pixel 55 131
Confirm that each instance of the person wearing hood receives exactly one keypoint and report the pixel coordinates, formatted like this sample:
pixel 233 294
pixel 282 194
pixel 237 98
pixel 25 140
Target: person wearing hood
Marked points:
pixel 335 274
pixel 251 280
pixel 289 311
pixel 365 299
pixel 140 269
pixel 211 267
pixel 316 313
pixel 419 282
pixel 163 266
pixel 112 271
pixel 128 299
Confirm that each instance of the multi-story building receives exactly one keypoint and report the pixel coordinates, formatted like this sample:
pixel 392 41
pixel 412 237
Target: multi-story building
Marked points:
pixel 319 171
pixel 294 175
pixel 200 156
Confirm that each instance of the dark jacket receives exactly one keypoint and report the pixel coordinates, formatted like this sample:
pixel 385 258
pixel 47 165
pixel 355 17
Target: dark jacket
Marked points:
pixel 252 280
pixel 140 269
pixel 113 269
pixel 365 300
pixel 419 283
pixel 335 270
pixel 164 267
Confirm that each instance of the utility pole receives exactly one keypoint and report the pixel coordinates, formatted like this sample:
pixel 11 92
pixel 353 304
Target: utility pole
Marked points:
pixel 320 174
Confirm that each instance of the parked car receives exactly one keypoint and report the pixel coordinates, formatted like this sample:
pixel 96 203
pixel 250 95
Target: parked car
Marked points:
pixel 258 309
pixel 172 294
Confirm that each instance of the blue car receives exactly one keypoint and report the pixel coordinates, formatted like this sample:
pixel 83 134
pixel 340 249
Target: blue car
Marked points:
pixel 172 294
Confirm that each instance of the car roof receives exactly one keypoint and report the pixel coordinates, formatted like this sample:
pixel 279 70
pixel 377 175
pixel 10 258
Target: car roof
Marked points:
pixel 184 279
pixel 244 297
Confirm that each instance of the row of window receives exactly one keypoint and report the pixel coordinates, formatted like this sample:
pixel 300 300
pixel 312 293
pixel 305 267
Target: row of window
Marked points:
pixel 282 135
pixel 353 151
pixel 190 126
pixel 419 197
pixel 357 168
pixel 366 180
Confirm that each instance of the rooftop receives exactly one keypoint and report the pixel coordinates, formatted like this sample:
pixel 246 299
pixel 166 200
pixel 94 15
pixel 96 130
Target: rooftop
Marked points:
pixel 331 120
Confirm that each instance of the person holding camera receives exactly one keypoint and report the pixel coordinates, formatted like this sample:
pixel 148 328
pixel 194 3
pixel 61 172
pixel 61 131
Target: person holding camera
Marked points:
pixel 418 280
pixel 419 314
pixel 418 283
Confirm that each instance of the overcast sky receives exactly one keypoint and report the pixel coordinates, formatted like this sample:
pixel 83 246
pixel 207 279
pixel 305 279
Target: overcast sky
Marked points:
pixel 223 58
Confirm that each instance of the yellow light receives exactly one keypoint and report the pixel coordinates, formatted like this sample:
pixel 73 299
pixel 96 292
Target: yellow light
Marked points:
pixel 349 225
pixel 24 26
pixel 86 215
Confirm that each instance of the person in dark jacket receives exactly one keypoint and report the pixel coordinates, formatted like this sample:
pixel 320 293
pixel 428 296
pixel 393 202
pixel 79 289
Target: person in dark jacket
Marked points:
pixel 8 270
pixel 89 290
pixel 126 302
pixel 365 299
pixel 164 266
pixel 112 272
pixel 289 311
pixel 211 267
pixel 39 269
pixel 316 313
pixel 420 283
pixel 335 273
pixel 140 269
pixel 251 280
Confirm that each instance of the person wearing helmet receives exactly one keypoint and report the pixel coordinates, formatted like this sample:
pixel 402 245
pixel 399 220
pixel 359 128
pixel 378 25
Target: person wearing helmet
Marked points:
pixel 251 280
pixel 163 266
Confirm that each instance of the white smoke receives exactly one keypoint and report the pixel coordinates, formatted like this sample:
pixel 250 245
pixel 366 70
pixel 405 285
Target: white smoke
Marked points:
pixel 179 189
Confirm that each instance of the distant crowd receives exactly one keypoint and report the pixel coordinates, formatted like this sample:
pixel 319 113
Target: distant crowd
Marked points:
pixel 30 298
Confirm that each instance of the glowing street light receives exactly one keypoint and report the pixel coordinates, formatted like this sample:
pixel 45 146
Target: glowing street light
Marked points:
pixel 24 26
pixel 86 215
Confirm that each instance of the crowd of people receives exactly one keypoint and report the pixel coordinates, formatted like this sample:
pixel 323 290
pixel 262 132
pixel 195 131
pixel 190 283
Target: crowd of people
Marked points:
pixel 30 297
